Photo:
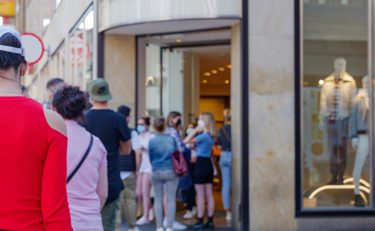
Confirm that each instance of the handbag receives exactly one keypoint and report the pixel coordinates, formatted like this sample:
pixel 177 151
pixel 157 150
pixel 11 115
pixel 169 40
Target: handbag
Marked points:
pixel 179 163
pixel 81 161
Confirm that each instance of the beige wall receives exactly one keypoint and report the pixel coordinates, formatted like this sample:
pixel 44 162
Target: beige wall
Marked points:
pixel 119 70
pixel 271 68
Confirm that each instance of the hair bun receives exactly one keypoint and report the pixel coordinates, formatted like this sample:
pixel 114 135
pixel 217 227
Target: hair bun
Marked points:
pixel 69 102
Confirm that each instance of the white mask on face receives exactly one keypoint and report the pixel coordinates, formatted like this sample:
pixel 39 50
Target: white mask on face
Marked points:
pixel 201 124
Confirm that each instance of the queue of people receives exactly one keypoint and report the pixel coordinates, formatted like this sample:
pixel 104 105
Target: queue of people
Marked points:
pixel 85 166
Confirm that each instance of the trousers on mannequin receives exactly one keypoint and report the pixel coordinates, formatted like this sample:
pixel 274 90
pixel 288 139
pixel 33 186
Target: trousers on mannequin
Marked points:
pixel 337 137
pixel 361 155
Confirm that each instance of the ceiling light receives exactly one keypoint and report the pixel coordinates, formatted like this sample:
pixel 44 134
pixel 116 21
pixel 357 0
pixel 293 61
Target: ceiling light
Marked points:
pixel 229 66
pixel 178 40
pixel 207 74
pixel 205 81
pixel 226 81
pixel 221 69
pixel 214 72
pixel 321 82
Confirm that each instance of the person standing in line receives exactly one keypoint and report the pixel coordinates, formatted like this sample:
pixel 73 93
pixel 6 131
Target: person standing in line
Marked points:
pixel 129 166
pixel 188 192
pixel 225 142
pixel 33 151
pixel 164 178
pixel 174 121
pixel 112 130
pixel 144 177
pixel 203 138
pixel 87 183
pixel 52 86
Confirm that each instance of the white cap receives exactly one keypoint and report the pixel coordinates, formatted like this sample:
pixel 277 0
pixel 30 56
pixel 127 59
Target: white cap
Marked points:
pixel 10 49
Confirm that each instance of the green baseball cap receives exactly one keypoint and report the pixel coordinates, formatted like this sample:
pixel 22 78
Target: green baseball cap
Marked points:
pixel 99 90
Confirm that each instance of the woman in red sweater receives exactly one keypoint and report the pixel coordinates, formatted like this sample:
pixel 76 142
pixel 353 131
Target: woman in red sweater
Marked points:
pixel 33 156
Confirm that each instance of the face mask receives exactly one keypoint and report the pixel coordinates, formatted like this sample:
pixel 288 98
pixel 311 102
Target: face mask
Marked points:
pixel 189 131
pixel 178 123
pixel 141 128
pixel 201 124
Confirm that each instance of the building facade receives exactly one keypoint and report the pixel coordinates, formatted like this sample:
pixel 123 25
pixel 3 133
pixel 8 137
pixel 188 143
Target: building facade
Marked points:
pixel 279 65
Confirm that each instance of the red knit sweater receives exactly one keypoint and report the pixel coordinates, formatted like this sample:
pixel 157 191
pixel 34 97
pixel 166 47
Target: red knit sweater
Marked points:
pixel 32 169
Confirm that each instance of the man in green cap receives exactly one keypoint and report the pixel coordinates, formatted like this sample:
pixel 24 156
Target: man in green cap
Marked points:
pixel 111 128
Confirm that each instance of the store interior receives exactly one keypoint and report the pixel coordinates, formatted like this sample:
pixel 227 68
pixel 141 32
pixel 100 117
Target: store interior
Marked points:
pixel 191 73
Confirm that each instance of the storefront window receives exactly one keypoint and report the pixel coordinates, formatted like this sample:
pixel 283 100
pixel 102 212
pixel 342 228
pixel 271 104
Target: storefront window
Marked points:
pixel 81 51
pixel 336 106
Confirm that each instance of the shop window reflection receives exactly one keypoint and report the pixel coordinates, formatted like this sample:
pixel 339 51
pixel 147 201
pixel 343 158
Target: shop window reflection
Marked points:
pixel 336 108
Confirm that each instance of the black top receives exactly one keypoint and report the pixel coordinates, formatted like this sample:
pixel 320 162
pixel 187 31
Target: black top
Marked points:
pixel 127 162
pixel 110 128
pixel 225 138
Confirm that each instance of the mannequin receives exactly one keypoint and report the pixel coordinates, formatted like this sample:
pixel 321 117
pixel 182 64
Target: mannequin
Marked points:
pixel 360 141
pixel 335 107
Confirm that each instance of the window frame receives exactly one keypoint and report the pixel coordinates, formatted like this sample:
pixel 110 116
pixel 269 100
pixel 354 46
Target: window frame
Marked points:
pixel 298 63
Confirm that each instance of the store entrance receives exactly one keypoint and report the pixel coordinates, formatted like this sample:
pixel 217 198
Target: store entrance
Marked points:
pixel 189 73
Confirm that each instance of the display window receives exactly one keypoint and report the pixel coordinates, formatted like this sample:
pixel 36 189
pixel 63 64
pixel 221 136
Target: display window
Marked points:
pixel 336 106
pixel 81 51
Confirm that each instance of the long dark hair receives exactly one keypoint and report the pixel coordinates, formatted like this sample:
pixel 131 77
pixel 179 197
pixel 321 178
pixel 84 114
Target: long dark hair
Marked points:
pixel 171 116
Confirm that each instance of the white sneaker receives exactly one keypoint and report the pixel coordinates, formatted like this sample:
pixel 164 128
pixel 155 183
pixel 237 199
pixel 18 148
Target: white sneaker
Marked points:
pixel 160 229
pixel 228 217
pixel 151 215
pixel 189 214
pixel 142 221
pixel 176 225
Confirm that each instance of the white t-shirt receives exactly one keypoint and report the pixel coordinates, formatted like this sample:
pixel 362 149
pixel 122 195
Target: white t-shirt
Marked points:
pixel 144 139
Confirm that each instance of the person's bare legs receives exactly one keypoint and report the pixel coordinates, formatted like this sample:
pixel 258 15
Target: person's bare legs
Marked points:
pixel 210 199
pixel 146 189
pixel 199 188
pixel 138 190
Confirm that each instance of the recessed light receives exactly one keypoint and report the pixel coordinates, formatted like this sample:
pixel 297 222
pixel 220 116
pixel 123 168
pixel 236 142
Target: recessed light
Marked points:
pixel 221 69
pixel 178 40
pixel 214 72
pixel 207 74
pixel 205 81
pixel 229 66
pixel 226 81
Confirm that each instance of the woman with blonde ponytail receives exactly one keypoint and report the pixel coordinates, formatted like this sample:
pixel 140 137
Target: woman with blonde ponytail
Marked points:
pixel 203 137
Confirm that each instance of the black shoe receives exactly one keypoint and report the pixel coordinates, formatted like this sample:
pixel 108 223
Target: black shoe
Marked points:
pixel 209 225
pixel 340 181
pixel 199 225
pixel 333 181
pixel 358 201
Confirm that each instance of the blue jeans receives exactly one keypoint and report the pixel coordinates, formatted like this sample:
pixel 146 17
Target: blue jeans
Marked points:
pixel 226 176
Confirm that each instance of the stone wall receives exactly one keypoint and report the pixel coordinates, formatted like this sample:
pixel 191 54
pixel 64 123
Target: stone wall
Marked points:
pixel 119 70
pixel 271 68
